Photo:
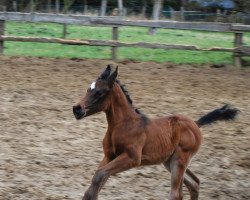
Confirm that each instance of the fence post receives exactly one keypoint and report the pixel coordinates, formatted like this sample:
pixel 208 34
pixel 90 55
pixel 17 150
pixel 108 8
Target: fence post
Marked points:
pixel 237 43
pixel 64 31
pixel 2 25
pixel 32 6
pixel 114 37
pixel 182 14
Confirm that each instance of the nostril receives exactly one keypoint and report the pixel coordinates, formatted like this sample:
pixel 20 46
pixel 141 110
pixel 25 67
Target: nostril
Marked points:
pixel 78 112
pixel 77 108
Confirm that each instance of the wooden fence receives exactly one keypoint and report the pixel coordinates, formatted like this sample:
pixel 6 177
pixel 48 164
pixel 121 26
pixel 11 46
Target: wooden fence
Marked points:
pixel 238 51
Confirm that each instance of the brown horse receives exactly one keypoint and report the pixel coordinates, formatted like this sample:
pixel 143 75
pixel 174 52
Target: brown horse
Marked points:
pixel 134 140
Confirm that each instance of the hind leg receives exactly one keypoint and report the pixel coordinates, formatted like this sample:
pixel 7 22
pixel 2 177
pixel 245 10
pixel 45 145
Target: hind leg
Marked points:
pixel 177 165
pixel 192 183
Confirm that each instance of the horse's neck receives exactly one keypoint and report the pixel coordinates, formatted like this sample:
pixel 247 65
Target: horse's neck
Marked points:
pixel 120 109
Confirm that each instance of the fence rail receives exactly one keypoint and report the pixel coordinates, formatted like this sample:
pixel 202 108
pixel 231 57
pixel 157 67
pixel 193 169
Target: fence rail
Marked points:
pixel 114 21
pixel 238 29
pixel 113 43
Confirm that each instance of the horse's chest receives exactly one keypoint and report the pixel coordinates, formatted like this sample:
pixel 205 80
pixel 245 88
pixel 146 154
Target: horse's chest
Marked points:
pixel 120 142
pixel 118 145
pixel 124 136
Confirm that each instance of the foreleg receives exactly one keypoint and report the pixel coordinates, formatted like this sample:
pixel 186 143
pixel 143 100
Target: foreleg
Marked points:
pixel 121 163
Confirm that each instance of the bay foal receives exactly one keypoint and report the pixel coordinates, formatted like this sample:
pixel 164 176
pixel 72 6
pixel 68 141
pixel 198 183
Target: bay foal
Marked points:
pixel 134 140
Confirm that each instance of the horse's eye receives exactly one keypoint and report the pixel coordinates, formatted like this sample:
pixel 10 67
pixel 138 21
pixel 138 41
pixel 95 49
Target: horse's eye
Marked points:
pixel 97 93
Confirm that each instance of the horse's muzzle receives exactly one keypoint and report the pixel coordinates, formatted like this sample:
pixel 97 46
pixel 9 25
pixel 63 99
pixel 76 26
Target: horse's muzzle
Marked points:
pixel 78 112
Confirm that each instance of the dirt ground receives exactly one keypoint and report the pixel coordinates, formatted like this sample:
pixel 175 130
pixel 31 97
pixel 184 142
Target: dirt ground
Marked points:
pixel 46 154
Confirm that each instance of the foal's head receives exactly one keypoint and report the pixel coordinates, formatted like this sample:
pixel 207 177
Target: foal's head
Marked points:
pixel 97 97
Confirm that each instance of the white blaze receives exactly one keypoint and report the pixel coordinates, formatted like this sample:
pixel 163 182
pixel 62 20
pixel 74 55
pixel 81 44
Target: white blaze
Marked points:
pixel 92 86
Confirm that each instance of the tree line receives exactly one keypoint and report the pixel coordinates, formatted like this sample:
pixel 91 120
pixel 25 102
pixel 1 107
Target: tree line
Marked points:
pixel 136 6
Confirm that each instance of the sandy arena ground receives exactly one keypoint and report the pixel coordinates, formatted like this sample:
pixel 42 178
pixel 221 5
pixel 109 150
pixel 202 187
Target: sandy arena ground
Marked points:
pixel 46 154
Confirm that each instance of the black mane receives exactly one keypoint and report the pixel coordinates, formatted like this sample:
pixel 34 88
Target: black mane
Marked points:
pixel 126 93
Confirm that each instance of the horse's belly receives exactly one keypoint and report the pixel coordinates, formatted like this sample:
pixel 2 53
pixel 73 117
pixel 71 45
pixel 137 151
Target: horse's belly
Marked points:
pixel 154 154
pixel 160 142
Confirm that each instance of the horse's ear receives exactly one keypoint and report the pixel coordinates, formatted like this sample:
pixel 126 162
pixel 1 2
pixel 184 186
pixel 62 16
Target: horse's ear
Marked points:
pixel 112 77
pixel 105 74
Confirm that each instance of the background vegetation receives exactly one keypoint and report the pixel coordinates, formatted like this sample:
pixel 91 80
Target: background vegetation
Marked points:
pixel 135 6
pixel 126 34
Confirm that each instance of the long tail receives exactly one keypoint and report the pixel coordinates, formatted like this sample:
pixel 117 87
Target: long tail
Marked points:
pixel 222 114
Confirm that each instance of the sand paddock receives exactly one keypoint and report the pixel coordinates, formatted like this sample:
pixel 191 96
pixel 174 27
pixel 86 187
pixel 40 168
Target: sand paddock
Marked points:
pixel 46 154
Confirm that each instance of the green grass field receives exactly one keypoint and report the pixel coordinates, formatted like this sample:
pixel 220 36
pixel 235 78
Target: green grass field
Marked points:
pixel 126 34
